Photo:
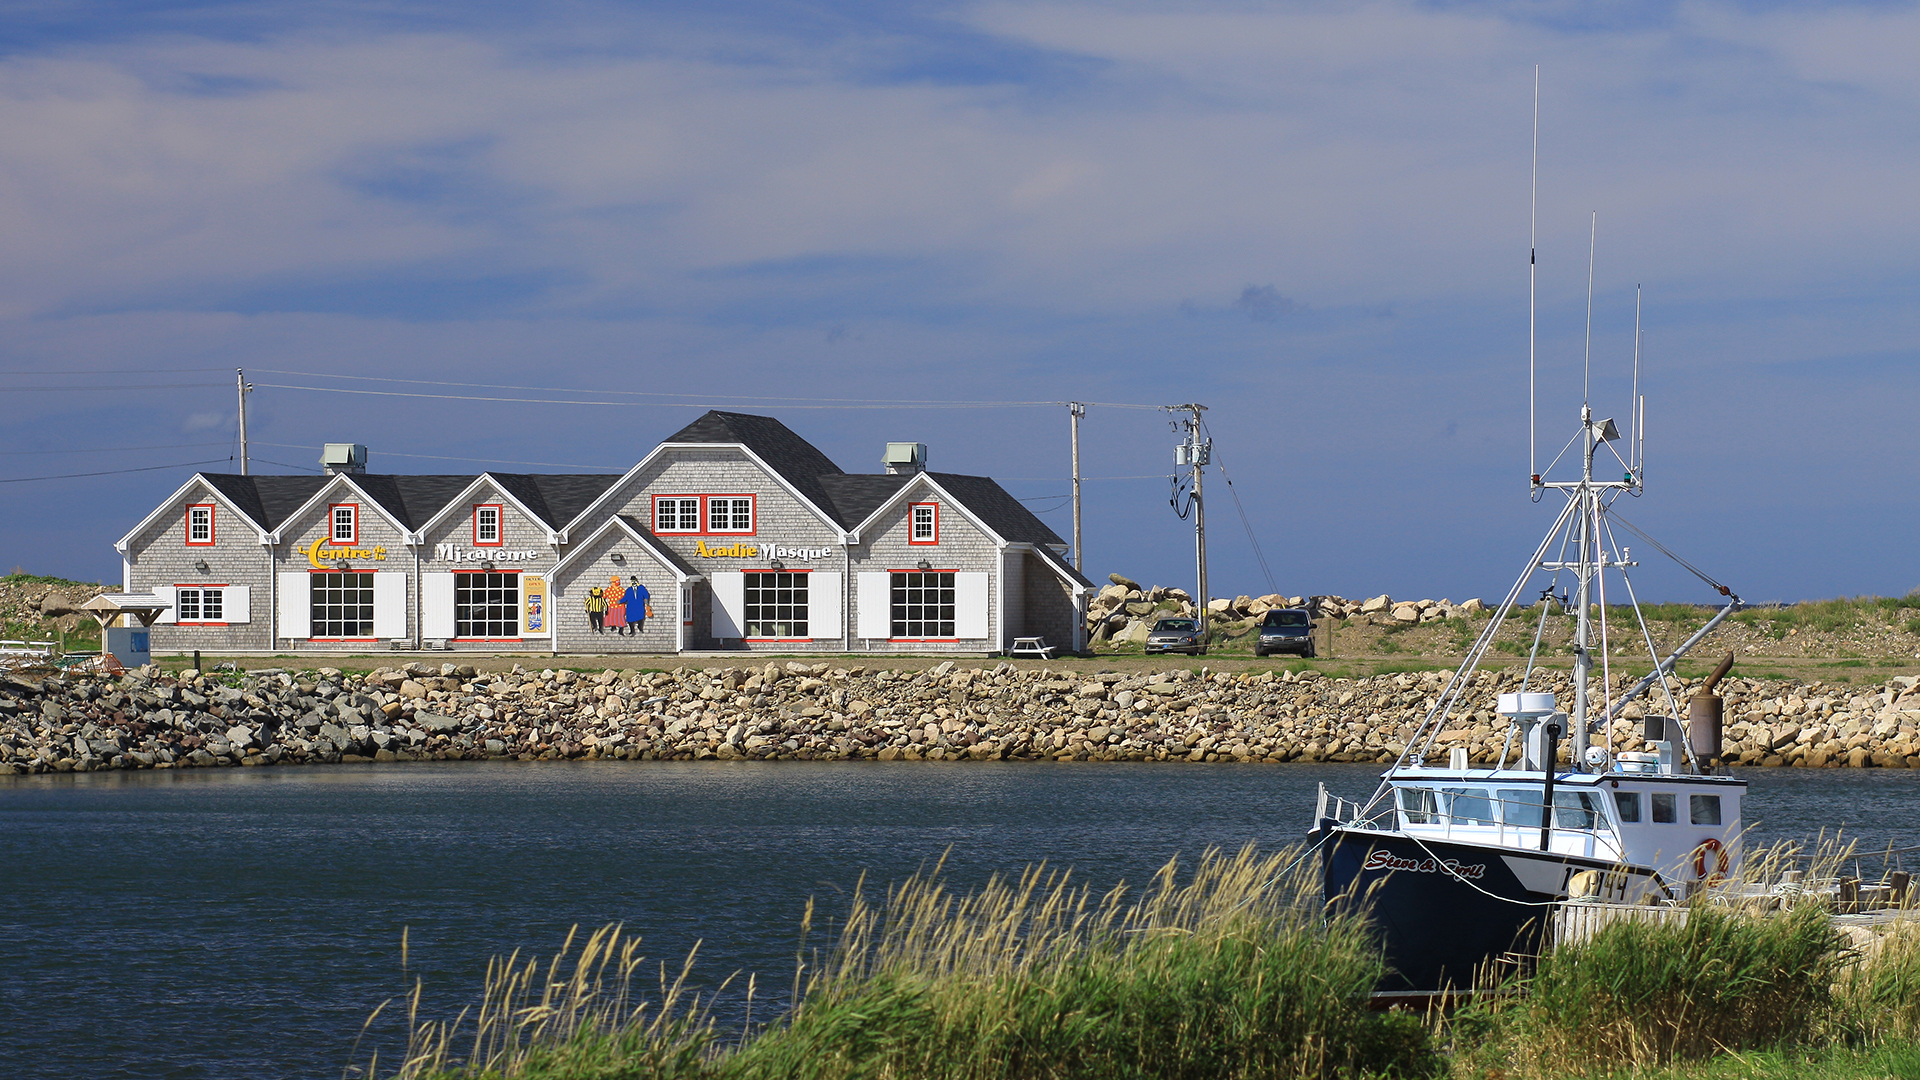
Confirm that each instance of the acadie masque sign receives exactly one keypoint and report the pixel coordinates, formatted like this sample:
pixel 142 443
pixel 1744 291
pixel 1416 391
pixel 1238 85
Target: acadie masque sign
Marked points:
pixel 759 551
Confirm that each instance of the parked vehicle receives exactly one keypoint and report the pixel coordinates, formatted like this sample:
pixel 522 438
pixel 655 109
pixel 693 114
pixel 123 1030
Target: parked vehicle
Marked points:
pixel 1285 630
pixel 1176 635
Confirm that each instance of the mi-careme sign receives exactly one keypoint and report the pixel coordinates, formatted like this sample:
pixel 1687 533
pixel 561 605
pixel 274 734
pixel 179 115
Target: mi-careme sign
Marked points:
pixel 450 553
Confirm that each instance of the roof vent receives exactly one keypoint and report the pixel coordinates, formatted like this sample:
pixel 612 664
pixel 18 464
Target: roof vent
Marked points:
pixel 905 457
pixel 340 457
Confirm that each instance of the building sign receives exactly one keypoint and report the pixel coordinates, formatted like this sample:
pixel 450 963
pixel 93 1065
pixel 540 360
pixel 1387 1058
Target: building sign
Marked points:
pixel 318 554
pixel 535 590
pixel 453 554
pixel 758 551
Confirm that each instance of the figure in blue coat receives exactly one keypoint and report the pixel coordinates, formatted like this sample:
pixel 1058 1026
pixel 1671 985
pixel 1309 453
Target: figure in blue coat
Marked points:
pixel 639 607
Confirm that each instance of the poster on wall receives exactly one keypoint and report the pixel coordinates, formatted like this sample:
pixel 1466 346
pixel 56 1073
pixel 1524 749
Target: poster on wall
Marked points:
pixel 535 590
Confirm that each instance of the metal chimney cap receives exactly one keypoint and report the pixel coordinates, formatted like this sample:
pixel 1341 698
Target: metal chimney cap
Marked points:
pixel 344 457
pixel 905 457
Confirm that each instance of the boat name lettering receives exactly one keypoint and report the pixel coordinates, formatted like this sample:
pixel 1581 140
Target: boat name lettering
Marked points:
pixel 1379 859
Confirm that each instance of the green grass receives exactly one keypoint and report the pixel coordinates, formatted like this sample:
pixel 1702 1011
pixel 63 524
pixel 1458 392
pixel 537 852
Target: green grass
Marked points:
pixel 1225 975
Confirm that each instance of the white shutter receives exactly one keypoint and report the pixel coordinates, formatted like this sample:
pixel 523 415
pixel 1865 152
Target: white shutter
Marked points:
pixel 875 601
pixel 390 603
pixel 436 605
pixel 970 605
pixel 729 603
pixel 296 605
pixel 172 614
pixel 823 604
pixel 238 603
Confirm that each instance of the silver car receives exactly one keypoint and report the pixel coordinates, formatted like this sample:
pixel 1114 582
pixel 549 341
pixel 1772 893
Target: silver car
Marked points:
pixel 1176 635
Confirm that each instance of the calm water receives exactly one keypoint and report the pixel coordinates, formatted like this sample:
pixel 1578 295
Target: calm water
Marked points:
pixel 242 923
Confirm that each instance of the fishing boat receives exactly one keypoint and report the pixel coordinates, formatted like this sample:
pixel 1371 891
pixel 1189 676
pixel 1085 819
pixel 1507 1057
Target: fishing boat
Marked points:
pixel 1458 867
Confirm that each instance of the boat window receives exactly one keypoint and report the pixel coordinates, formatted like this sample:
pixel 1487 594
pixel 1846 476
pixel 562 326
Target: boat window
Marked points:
pixel 1576 809
pixel 1469 805
pixel 1663 808
pixel 1520 806
pixel 1628 803
pixel 1703 809
pixel 1419 804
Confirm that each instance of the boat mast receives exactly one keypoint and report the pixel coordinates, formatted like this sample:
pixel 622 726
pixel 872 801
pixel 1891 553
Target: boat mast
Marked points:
pixel 1586 498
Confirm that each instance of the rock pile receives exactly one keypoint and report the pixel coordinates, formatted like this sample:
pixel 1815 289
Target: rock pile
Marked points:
pixel 1123 612
pixel 817 711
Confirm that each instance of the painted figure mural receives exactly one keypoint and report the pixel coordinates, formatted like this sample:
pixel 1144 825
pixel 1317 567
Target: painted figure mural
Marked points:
pixel 639 606
pixel 596 603
pixel 616 606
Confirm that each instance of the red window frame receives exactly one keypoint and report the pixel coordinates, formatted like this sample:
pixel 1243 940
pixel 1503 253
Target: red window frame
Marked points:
pixel 699 513
pixel 911 529
pixel 201 622
pixel 753 513
pixel 333 532
pixel 499 525
pixel 209 541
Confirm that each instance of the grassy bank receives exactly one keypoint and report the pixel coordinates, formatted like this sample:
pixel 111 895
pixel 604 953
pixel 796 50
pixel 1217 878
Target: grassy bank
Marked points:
pixel 1226 972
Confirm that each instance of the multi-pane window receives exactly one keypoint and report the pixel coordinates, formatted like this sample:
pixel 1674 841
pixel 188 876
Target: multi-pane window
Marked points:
pixel 486 525
pixel 346 524
pixel 200 524
pixel 776 604
pixel 923 604
pixel 342 604
pixel 925 524
pixel 486 605
pixel 675 513
pixel 730 513
pixel 199 605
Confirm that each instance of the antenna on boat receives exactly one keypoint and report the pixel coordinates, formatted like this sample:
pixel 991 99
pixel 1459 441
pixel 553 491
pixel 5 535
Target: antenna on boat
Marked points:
pixel 1586 372
pixel 1533 240
pixel 1636 409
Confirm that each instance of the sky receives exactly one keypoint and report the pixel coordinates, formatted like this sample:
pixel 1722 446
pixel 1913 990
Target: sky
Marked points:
pixel 937 222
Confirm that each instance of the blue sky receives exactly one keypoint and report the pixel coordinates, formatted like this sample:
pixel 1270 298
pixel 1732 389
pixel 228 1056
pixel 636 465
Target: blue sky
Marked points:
pixel 1312 218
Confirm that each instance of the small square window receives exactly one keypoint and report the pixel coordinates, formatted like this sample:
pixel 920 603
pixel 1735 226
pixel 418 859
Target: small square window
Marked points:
pixel 676 514
pixel 1703 809
pixel 486 525
pixel 1663 808
pixel 1628 803
pixel 346 524
pixel 200 524
pixel 923 523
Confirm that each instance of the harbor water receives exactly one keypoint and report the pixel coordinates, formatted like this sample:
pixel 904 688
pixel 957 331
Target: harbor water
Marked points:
pixel 244 922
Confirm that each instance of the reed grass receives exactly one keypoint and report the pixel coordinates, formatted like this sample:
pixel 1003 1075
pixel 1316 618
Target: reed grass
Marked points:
pixel 1220 973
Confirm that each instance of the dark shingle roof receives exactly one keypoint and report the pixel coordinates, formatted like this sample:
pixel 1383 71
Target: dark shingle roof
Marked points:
pixel 665 553
pixel 556 498
pixel 413 500
pixel 797 461
pixel 1002 512
pixel 856 495
pixel 266 499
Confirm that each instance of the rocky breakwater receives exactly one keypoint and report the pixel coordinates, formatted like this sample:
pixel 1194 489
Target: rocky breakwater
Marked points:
pixel 798 711
pixel 1123 612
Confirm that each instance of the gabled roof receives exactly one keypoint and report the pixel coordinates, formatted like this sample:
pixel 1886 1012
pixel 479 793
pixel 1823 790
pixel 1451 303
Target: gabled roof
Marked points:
pixel 410 500
pixel 857 495
pixel 266 499
pixel 556 498
pixel 1002 512
pixel 636 532
pixel 799 462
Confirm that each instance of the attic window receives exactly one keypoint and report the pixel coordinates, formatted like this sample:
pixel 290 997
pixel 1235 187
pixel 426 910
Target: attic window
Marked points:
pixel 200 524
pixel 923 523
pixel 345 521
pixel 486 525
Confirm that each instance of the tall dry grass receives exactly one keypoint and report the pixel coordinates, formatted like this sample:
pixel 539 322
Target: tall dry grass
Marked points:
pixel 1221 973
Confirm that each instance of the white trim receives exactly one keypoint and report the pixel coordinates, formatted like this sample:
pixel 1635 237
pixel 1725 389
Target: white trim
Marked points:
pixel 970 595
pixel 906 491
pixel 594 507
pixel 171 595
pixel 238 603
pixel 646 542
pixel 295 607
pixel 436 605
pixel 729 604
pixel 825 618
pixel 389 604
pixel 465 498
pixel 874 604
pixel 168 503
pixel 407 536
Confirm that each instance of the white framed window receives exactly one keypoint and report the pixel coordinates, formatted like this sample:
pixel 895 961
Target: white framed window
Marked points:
pixel 345 524
pixel 200 524
pixel 923 523
pixel 730 513
pixel 923 604
pixel 676 514
pixel 200 604
pixel 775 603
pixel 486 525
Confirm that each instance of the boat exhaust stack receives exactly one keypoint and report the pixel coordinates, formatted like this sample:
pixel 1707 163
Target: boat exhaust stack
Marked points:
pixel 1705 713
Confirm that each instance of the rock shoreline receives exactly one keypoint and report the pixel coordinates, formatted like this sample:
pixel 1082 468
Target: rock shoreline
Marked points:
pixel 147 719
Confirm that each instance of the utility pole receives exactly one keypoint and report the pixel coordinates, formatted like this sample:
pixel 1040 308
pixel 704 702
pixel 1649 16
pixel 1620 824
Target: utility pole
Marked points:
pixel 1075 411
pixel 241 388
pixel 1196 452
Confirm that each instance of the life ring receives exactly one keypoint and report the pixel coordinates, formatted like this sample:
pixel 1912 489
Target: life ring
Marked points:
pixel 1709 846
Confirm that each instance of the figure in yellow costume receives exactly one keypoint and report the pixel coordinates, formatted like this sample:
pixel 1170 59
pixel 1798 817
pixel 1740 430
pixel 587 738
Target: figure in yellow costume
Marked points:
pixel 597 610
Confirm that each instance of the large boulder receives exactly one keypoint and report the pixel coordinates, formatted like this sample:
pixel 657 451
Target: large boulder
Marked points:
pixel 1377 604
pixel 1126 582
pixel 1135 633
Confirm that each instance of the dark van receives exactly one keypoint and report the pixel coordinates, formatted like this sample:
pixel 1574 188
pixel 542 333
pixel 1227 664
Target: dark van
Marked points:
pixel 1285 630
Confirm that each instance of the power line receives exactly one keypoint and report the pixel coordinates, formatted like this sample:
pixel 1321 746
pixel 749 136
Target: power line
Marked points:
pixel 284 465
pixel 115 472
pixel 444 457
pixel 96 389
pixel 120 371
pixel 116 449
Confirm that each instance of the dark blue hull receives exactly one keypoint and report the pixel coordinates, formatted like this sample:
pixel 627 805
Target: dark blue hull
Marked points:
pixel 1444 910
